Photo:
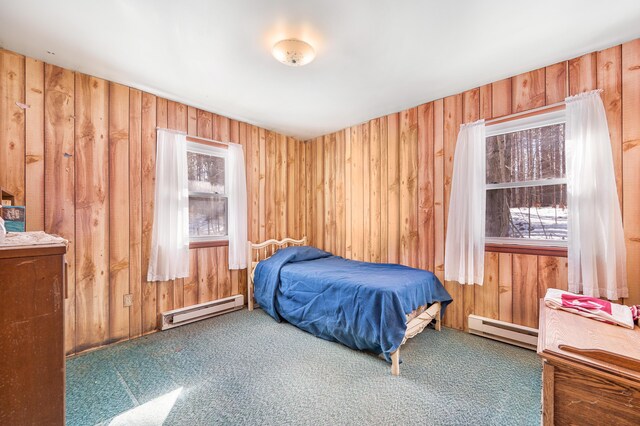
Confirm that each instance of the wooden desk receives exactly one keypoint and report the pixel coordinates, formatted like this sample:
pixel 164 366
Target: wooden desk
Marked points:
pixel 591 370
pixel 32 292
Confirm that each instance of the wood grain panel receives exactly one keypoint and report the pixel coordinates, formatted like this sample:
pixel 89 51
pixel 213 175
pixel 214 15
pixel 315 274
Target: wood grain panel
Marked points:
pixel 164 289
pixel 135 211
pixel 87 152
pixel 92 211
pixel 528 90
pixel 59 160
pixel 393 187
pixel 487 302
pixel 452 120
pixel 12 135
pixel 375 189
pixel 119 227
pixel 505 287
pixel 609 73
pixel 525 290
pixel 348 204
pixel 340 218
pixel 357 197
pixel 556 83
pixel 582 74
pixel 438 187
pixel 631 163
pixel 366 190
pixel 409 187
pixel 34 144
pixel 426 229
pixel 501 98
pixel 329 192
pixel 148 149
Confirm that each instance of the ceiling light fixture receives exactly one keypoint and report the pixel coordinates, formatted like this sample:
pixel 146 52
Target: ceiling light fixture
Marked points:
pixel 293 52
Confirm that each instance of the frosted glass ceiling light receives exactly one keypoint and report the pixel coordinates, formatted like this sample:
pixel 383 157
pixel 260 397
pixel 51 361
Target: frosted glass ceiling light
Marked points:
pixel 293 52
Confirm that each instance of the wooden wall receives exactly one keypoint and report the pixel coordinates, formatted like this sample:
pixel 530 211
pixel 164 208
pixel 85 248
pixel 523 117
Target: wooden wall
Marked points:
pixel 81 157
pixel 379 191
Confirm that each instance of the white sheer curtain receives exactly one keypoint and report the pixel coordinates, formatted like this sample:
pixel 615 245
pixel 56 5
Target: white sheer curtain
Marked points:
pixel 597 253
pixel 169 257
pixel 464 248
pixel 237 208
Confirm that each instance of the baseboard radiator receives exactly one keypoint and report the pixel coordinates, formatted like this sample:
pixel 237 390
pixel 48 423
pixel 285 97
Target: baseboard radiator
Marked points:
pixel 182 316
pixel 519 335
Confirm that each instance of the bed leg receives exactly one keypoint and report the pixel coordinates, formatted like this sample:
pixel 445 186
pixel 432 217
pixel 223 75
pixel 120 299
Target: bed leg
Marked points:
pixel 439 318
pixel 395 362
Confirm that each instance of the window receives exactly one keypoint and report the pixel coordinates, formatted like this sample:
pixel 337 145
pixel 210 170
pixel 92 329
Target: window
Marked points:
pixel 208 203
pixel 526 199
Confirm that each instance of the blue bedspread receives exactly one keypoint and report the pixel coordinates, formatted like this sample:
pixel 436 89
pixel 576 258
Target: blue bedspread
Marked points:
pixel 361 305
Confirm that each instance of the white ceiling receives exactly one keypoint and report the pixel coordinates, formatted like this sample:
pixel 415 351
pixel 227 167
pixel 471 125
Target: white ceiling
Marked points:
pixel 374 57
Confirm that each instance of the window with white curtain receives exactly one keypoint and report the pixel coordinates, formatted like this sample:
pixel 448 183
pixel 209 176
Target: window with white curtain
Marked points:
pixel 208 192
pixel 526 191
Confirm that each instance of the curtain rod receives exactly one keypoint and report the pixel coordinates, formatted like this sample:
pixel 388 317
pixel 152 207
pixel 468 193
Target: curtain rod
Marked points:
pixel 180 132
pixel 556 105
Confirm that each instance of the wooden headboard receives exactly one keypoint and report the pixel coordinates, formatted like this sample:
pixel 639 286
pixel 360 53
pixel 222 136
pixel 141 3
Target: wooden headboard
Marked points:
pixel 261 251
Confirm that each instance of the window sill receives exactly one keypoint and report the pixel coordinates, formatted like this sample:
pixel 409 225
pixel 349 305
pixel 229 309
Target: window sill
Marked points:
pixel 205 244
pixel 526 249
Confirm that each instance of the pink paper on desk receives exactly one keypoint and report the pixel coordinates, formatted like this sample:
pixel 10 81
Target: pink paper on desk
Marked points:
pixel 590 307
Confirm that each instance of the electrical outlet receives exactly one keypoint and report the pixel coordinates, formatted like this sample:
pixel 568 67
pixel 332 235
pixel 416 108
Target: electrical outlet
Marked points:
pixel 128 300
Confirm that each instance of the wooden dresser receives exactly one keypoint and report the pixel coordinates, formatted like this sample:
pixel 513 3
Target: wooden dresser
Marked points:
pixel 32 359
pixel 591 370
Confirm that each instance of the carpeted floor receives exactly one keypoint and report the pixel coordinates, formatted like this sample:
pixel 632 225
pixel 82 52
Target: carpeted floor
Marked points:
pixel 243 368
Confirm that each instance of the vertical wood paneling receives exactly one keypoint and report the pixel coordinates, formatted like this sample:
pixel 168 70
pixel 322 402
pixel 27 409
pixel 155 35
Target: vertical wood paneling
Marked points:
pixel 280 186
pixel 501 98
pixel 528 90
pixel 452 121
pixel 270 185
pixel 375 188
pixel 149 294
pixel 556 83
pixel 393 183
pixel 329 192
pixel 609 73
pixel 471 113
pixel 505 287
pixel 340 195
pixel 85 153
pixel 582 74
pixel 357 198
pixel 119 228
pixel 59 161
pixel 426 229
pixel 487 295
pixel 12 135
pixel 438 187
pixel 262 185
pixel 34 144
pixel 348 204
pixel 366 189
pixel 525 290
pixel 318 226
pixel 631 163
pixel 135 211
pixel 165 295
pixel 92 211
pixel 409 187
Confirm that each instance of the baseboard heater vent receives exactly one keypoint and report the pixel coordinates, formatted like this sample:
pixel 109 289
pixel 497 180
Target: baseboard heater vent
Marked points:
pixel 519 335
pixel 182 316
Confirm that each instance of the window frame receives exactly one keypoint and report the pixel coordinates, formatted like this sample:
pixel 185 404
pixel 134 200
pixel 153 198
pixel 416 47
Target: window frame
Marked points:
pixel 523 245
pixel 214 151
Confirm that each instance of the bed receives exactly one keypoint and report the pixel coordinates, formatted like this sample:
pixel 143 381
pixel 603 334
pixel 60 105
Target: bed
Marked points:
pixel 365 306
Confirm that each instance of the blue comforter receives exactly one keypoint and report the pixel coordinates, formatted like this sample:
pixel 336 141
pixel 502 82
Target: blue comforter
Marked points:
pixel 361 305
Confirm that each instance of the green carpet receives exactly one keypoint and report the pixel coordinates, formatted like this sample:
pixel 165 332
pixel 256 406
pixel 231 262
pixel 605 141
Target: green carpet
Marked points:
pixel 243 368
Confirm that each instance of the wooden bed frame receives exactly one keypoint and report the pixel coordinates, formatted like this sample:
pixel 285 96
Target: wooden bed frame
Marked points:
pixel 261 251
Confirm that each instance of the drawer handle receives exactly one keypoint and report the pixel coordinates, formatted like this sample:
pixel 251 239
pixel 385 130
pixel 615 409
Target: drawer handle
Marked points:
pixel 605 356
